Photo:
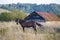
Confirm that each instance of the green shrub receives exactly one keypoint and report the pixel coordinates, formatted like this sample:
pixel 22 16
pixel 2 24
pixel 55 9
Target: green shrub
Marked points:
pixel 5 16
pixel 21 14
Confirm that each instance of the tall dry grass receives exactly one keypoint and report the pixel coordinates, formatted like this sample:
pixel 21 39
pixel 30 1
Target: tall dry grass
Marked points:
pixel 12 31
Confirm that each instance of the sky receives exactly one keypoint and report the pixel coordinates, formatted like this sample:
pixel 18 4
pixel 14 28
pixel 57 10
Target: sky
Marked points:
pixel 30 1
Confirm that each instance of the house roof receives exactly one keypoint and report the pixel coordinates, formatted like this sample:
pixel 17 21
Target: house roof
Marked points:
pixel 48 16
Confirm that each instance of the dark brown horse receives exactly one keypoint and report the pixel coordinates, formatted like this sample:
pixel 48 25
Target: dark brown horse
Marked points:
pixel 27 24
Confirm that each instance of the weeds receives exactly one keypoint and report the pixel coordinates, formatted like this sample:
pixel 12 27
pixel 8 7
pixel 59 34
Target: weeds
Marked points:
pixel 3 31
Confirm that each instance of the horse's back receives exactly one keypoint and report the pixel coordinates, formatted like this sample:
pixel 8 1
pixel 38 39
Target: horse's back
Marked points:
pixel 27 24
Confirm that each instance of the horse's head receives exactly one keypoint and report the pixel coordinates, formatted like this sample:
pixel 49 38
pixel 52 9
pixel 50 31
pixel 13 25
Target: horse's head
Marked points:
pixel 20 20
pixel 17 20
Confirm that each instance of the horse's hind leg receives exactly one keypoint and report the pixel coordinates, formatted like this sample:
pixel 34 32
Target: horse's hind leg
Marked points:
pixel 35 29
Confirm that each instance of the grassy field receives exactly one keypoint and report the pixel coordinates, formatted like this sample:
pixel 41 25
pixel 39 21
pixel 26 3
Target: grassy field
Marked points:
pixel 12 31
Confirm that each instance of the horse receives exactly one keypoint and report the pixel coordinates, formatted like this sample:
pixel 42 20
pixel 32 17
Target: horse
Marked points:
pixel 27 24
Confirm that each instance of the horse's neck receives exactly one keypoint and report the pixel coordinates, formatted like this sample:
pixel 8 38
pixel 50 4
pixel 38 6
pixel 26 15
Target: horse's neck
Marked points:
pixel 21 21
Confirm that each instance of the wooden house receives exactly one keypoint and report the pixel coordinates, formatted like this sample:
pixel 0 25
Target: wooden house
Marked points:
pixel 41 17
pixel 34 17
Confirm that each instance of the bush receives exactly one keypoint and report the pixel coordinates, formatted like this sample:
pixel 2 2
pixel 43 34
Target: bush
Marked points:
pixel 5 16
pixel 21 14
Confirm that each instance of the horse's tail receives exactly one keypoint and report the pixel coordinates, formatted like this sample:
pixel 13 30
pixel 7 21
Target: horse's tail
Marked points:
pixel 39 24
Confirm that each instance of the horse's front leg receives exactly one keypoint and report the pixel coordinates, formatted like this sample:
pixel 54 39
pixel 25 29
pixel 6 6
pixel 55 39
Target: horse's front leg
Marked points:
pixel 34 27
pixel 23 29
pixel 17 23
